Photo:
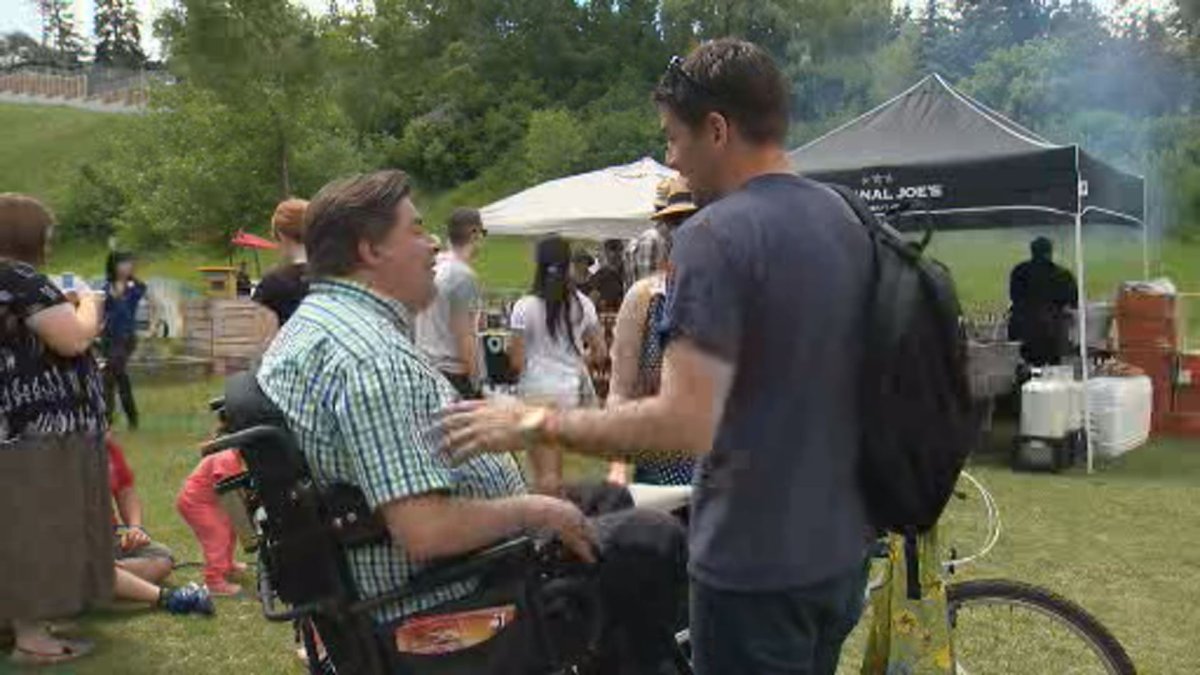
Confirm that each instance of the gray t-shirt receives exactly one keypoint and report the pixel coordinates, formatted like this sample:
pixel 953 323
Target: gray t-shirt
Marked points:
pixel 457 291
pixel 773 279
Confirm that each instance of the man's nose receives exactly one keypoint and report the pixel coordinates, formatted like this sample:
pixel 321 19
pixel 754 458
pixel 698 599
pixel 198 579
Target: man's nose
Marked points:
pixel 672 158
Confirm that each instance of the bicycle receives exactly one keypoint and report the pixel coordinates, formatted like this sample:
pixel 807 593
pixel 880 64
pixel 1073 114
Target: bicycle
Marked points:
pixel 1044 632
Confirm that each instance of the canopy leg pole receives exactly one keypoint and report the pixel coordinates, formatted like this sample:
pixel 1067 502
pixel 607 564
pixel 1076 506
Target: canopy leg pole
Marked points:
pixel 1145 233
pixel 1081 298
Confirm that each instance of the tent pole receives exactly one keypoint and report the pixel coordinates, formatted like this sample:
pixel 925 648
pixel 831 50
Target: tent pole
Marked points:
pixel 1081 298
pixel 1145 232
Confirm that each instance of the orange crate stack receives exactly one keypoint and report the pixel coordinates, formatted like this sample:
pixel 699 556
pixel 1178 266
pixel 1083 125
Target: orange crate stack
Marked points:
pixel 1185 419
pixel 1148 336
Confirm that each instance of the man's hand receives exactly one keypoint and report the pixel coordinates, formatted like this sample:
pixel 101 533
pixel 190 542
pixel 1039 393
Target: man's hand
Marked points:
pixel 565 520
pixel 472 428
pixel 133 538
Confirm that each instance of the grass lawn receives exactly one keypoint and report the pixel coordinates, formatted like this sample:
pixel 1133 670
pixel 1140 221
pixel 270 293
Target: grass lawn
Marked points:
pixel 1120 543
pixel 43 145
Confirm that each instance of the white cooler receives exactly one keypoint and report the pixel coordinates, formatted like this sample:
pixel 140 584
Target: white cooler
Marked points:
pixel 1120 411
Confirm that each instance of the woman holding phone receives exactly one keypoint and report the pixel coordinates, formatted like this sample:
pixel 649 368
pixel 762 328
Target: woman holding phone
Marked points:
pixel 56 548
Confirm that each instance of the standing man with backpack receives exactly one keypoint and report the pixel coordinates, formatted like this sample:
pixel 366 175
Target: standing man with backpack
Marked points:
pixel 766 313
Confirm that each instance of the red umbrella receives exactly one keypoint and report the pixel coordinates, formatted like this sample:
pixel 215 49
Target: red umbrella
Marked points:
pixel 253 241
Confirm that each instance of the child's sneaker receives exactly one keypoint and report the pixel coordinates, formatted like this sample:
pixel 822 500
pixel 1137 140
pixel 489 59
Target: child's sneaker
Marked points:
pixel 190 599
pixel 224 589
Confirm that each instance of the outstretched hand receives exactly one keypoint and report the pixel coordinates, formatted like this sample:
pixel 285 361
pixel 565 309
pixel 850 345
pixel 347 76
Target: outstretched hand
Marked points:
pixel 471 428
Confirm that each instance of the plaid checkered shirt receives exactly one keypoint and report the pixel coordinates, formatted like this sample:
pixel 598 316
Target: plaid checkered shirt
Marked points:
pixel 361 399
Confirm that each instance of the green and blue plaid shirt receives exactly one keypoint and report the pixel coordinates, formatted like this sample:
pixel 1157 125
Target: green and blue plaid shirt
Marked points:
pixel 361 400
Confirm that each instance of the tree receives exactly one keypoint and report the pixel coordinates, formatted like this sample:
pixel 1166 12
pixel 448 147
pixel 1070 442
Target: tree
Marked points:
pixel 250 119
pixel 59 31
pixel 555 145
pixel 17 47
pixel 118 34
pixel 261 59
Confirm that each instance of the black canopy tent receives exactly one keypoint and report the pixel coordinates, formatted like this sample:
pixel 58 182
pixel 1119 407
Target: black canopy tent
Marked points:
pixel 934 157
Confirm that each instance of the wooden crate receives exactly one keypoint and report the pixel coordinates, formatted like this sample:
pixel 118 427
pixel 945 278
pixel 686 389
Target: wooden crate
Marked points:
pixel 230 332
pixel 1134 304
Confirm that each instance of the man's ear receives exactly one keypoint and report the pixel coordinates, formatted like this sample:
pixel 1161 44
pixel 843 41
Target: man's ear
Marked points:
pixel 367 254
pixel 716 127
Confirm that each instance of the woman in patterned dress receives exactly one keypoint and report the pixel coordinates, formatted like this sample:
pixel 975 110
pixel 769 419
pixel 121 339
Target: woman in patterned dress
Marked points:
pixel 637 346
pixel 56 546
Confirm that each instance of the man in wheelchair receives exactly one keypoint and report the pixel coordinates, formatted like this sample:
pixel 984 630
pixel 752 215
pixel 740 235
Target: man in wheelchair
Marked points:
pixel 360 403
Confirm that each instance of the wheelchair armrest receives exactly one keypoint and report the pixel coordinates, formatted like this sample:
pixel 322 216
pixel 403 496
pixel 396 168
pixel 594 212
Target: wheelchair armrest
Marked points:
pixel 242 440
pixel 460 568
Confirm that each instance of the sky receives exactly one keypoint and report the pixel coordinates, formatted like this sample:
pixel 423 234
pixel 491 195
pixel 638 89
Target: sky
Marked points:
pixel 21 15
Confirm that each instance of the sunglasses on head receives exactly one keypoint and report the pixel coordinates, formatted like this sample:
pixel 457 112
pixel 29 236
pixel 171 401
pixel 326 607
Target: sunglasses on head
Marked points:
pixel 675 74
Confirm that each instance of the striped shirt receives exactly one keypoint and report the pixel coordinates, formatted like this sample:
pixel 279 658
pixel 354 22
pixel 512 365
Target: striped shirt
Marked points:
pixel 361 399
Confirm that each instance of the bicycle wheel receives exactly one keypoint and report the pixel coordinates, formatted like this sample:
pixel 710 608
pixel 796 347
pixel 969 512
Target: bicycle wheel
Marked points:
pixel 1005 626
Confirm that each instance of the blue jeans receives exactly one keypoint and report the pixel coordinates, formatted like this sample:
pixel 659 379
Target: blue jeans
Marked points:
pixel 798 631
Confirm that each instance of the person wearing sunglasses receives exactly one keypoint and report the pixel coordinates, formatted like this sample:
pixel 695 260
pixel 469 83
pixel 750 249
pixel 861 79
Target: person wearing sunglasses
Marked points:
pixel 760 376
pixel 448 330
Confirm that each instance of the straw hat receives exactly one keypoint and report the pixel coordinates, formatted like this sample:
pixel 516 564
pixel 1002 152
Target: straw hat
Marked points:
pixel 676 199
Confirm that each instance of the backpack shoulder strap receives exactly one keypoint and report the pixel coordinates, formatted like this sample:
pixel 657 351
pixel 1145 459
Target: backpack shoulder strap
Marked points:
pixel 865 215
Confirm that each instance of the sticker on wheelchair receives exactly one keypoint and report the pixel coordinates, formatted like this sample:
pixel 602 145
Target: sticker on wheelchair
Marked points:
pixel 449 633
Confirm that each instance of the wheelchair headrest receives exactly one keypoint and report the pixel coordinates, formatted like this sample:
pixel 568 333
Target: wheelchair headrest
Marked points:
pixel 247 406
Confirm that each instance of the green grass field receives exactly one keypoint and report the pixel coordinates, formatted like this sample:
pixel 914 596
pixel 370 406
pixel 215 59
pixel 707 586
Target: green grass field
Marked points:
pixel 1120 542
pixel 44 144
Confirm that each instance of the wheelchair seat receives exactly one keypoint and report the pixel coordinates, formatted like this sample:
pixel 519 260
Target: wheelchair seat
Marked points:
pixel 532 596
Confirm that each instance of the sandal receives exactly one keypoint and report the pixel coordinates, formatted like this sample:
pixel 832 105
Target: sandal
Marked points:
pixel 69 650
pixel 63 630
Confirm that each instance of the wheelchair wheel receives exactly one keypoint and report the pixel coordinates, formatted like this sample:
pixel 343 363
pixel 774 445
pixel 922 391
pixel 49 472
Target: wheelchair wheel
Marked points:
pixel 1009 627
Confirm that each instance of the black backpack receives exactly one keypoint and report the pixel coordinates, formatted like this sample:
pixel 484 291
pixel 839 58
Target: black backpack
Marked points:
pixel 919 422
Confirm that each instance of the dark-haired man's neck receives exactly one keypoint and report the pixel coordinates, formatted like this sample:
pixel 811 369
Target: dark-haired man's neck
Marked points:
pixel 754 162
pixel 465 253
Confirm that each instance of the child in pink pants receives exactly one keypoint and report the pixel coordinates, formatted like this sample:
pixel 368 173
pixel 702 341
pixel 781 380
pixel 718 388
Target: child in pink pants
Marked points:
pixel 199 506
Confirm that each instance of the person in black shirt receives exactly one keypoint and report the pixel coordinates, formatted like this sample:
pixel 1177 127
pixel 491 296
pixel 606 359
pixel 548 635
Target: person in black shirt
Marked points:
pixel 1042 294
pixel 581 271
pixel 283 288
pixel 123 293
pixel 607 285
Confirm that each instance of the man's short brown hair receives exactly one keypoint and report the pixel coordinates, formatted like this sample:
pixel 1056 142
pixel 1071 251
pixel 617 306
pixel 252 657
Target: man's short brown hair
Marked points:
pixel 463 225
pixel 348 211
pixel 25 227
pixel 735 78
pixel 288 219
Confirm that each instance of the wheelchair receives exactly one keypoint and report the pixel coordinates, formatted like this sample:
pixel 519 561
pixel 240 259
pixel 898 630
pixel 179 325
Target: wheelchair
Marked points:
pixel 537 601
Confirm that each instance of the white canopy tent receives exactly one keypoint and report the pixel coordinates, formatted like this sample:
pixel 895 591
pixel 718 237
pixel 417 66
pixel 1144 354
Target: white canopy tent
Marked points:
pixel 611 203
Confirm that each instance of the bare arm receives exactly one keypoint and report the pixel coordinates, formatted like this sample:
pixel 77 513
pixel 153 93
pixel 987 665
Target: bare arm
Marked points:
pixel 628 334
pixel 516 352
pixel 682 418
pixel 438 526
pixel 129 507
pixel 463 325
pixel 66 330
pixel 593 339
